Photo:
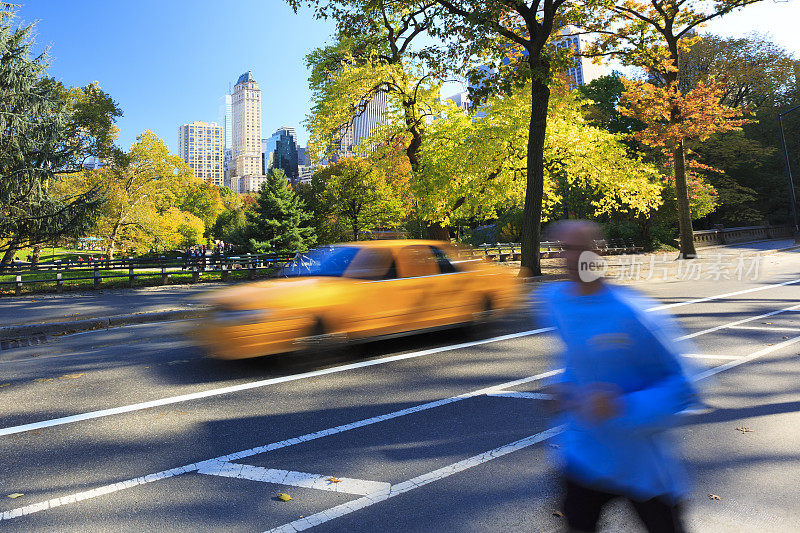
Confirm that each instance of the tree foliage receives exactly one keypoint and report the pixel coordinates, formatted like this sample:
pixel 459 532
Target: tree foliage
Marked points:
pixel 475 165
pixel 278 223
pixel 141 189
pixel 47 131
pixel 353 198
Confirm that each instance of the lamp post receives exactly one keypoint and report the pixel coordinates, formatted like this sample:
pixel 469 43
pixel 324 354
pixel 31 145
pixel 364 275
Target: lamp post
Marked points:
pixel 789 175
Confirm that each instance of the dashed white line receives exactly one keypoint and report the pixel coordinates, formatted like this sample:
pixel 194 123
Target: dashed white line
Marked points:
pixel 711 356
pixel 737 322
pixel 765 328
pixel 724 295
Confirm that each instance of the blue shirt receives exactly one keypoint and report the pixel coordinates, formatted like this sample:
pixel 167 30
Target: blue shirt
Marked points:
pixel 610 338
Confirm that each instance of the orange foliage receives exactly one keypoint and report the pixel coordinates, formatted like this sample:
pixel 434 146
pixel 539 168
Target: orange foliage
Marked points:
pixel 672 116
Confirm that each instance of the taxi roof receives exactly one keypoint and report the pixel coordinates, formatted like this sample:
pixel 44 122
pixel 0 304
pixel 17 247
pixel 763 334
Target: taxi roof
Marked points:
pixel 394 243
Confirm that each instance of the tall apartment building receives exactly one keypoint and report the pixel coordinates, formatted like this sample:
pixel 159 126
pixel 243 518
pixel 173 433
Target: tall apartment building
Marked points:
pixel 584 70
pixel 200 145
pixel 246 107
pixel 361 127
pixel 281 151
pixel 225 119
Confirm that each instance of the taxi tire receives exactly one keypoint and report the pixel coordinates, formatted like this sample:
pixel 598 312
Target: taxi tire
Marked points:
pixel 320 339
pixel 483 321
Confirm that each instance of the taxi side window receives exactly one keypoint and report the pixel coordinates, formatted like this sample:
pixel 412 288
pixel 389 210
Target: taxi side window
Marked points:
pixel 415 261
pixel 372 264
pixel 445 266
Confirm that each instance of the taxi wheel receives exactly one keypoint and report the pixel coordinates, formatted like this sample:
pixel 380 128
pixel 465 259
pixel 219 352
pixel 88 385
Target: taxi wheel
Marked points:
pixel 320 338
pixel 483 320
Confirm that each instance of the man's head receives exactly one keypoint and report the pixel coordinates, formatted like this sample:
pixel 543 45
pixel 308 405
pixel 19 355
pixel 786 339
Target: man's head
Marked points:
pixel 576 237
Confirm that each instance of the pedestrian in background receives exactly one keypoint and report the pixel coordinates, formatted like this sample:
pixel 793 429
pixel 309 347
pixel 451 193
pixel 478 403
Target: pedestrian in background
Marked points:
pixel 622 388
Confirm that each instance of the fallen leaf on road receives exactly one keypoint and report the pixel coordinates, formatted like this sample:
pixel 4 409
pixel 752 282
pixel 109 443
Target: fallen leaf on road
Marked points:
pixel 282 496
pixel 5 384
pixel 714 497
pixel 743 429
pixel 35 354
pixel 15 495
pixel 558 514
pixel 44 380
pixel 766 322
pixel 785 337
pixel 72 376
pixel 334 479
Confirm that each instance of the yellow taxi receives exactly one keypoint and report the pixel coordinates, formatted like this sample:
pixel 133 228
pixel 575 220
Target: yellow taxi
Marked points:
pixel 355 292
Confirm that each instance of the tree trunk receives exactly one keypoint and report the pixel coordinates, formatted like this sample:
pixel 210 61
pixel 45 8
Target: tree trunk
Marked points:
pixel 36 255
pixel 534 189
pixel 112 242
pixel 10 253
pixel 436 232
pixel 684 212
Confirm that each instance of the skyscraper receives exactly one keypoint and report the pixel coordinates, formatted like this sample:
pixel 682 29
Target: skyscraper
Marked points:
pixel 361 127
pixel 280 151
pixel 225 119
pixel 584 69
pixel 200 145
pixel 246 107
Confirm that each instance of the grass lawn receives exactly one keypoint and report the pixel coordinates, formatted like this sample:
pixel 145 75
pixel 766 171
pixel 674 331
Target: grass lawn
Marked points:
pixel 50 254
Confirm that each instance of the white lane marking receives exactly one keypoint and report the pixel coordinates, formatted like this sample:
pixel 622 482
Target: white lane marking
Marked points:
pixel 711 356
pixel 725 295
pixel 765 328
pixel 291 478
pixel 745 359
pixel 122 485
pixel 414 483
pixel 523 395
pixel 737 322
pixel 256 384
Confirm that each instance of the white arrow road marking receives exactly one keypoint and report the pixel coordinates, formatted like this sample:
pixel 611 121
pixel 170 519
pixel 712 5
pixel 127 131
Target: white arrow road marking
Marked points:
pixel 362 487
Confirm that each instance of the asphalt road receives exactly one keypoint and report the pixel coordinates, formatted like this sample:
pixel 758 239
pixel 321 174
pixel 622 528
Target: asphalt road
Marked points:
pixel 131 429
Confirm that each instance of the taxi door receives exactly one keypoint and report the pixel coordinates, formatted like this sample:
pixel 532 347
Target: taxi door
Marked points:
pixel 419 274
pixel 456 299
pixel 381 306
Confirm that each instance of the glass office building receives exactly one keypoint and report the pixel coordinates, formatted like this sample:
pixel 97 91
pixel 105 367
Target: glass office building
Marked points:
pixel 280 151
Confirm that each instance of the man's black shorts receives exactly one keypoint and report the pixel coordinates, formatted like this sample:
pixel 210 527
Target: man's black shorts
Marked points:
pixel 583 505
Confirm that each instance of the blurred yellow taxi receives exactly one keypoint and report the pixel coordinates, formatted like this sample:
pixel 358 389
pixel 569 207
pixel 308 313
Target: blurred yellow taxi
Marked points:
pixel 351 292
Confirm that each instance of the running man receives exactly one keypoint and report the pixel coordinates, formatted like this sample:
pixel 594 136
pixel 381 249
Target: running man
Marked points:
pixel 623 386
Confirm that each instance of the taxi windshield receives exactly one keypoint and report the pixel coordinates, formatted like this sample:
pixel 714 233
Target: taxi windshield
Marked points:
pixel 329 261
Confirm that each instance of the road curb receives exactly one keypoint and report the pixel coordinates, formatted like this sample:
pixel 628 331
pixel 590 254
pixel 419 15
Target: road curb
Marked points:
pixel 88 324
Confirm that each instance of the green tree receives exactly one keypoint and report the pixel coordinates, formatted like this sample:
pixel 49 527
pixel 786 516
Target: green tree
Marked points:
pixel 278 222
pixel 602 97
pixel 37 148
pixel 355 198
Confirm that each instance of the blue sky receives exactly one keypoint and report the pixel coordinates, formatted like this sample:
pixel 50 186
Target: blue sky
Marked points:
pixel 166 62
